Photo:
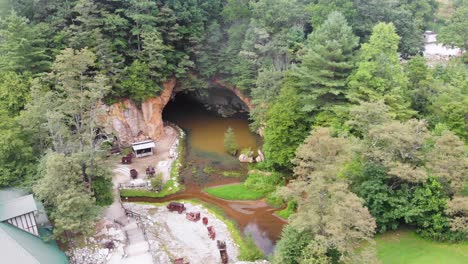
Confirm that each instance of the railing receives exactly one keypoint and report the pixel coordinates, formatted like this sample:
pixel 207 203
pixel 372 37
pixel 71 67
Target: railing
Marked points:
pixel 140 224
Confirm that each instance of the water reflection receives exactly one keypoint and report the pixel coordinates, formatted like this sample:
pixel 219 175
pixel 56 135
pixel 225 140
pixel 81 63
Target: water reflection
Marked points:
pixel 261 237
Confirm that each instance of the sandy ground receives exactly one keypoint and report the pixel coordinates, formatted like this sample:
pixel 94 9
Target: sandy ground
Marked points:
pixel 178 237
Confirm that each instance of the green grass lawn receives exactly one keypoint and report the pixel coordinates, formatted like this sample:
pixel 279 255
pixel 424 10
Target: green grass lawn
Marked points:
pixel 406 247
pixel 234 192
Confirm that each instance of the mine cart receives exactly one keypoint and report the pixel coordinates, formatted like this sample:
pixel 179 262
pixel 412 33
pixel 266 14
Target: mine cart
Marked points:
pixel 211 232
pixel 222 251
pixel 175 206
pixel 127 160
pixel 115 150
pixel 180 261
pixel 205 220
pixel 133 173
pixel 150 171
pixel 193 216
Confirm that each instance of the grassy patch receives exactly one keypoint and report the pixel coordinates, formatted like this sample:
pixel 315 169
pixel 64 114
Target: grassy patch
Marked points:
pixel 234 192
pixel 234 174
pixel 289 210
pixel 209 170
pixel 405 246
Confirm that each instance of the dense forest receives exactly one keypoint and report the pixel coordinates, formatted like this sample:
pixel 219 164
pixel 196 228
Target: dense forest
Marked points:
pixel 368 134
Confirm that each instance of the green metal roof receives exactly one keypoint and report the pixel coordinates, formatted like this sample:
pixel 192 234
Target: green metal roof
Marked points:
pixel 17 206
pixel 18 246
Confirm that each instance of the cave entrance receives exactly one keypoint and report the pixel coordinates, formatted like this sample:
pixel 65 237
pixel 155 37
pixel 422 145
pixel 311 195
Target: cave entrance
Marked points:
pixel 206 117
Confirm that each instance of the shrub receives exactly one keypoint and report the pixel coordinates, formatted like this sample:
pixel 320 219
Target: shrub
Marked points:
pixel 230 144
pixel 156 182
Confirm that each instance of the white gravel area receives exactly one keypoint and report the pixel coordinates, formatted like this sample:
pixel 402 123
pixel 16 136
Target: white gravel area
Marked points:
pixel 172 233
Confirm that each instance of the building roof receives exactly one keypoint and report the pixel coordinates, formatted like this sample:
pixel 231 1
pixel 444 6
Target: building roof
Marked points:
pixel 18 206
pixel 18 246
pixel 143 145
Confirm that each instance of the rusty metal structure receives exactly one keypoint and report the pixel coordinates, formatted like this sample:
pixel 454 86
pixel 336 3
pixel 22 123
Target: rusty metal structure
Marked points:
pixel 193 216
pixel 175 206
pixel 222 251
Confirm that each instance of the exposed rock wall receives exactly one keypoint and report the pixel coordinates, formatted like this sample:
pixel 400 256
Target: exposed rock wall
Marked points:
pixel 130 123
pixel 247 100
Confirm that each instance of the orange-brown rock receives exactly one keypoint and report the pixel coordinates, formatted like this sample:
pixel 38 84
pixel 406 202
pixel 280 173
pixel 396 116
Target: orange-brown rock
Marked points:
pixel 131 123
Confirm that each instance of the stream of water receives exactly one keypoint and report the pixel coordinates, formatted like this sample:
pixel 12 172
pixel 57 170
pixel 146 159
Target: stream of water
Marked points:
pixel 205 131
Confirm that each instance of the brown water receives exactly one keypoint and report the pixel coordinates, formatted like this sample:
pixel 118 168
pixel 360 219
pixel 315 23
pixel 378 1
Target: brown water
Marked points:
pixel 205 148
pixel 255 218
pixel 207 128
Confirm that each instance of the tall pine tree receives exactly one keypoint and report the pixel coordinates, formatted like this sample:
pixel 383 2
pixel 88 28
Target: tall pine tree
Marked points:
pixel 379 75
pixel 327 63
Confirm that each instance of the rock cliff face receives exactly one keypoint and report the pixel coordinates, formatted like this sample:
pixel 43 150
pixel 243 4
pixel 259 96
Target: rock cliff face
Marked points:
pixel 129 123
pixel 247 101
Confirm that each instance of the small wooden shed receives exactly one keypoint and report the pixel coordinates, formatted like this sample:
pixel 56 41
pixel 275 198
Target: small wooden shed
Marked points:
pixel 143 148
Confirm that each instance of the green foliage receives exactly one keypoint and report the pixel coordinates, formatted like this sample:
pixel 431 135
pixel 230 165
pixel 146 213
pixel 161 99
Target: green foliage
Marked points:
pixel 456 31
pixel 102 187
pixel 288 211
pixel 157 182
pixel 326 63
pixel 230 144
pixel 289 247
pixel 22 47
pixel 379 75
pixel 264 182
pixel 14 91
pixel 209 170
pixel 285 130
pixel 61 187
pixel 231 174
pixel 137 83
pixel 17 159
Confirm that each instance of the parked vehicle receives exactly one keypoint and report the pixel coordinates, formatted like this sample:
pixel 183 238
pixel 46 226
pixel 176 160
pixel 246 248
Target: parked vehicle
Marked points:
pixel 175 206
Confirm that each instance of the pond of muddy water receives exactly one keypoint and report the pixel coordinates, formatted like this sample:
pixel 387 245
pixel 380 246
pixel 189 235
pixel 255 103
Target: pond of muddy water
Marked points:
pixel 205 148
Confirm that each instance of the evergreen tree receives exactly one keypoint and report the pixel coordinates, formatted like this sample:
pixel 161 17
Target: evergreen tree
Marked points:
pixel 286 128
pixel 22 47
pixel 379 75
pixel 326 64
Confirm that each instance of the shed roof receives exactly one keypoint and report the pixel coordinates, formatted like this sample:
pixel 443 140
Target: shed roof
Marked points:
pixel 18 206
pixel 143 145
pixel 19 246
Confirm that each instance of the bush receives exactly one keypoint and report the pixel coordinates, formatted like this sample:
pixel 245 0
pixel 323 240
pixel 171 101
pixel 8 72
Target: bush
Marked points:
pixel 102 187
pixel 230 144
pixel 157 182
pixel 209 170
pixel 265 182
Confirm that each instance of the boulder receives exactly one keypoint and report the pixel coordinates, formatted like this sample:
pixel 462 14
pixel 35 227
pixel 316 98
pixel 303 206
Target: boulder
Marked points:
pixel 245 158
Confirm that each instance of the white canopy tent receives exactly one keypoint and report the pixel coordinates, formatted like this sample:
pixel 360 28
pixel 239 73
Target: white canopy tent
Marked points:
pixel 143 148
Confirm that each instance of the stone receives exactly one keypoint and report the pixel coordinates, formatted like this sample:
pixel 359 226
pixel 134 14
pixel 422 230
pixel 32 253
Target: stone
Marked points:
pixel 260 157
pixel 245 158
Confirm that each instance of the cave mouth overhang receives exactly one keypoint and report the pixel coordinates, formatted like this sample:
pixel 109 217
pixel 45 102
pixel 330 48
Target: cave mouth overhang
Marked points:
pixel 215 98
